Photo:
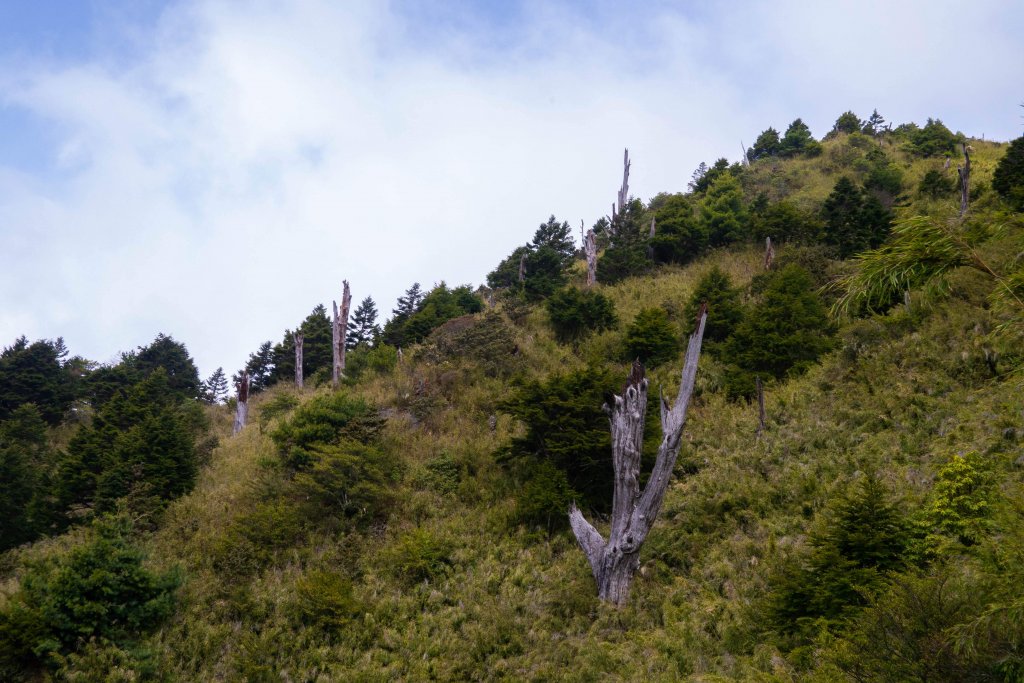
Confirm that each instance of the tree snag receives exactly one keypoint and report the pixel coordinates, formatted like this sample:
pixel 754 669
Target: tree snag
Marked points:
pixel 340 331
pixel 590 249
pixel 615 562
pixel 964 173
pixel 298 358
pixel 650 240
pixel 769 253
pixel 623 196
pixel 762 416
pixel 242 409
pixel 522 268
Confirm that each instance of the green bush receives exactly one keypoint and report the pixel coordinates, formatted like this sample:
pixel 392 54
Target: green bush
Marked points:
pixel 933 139
pixel 935 185
pixel 322 421
pixel 348 478
pixel 651 338
pixel 724 309
pixel 420 555
pixel 326 600
pixel 98 589
pixel 574 314
pixel 251 541
pixel 960 507
pixel 1008 177
pixel 544 498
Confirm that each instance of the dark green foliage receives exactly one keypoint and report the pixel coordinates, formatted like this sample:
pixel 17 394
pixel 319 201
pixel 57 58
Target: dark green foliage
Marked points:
pixel 1008 177
pixel 704 177
pixel 679 237
pixel 172 357
pixel 846 123
pixel 783 221
pixel 652 338
pixel 627 251
pixel 33 373
pixel 545 260
pixel 317 351
pixel 798 141
pixel 854 220
pixel 566 427
pixel 575 313
pixel 394 330
pixel 934 139
pixel 326 420
pixel 421 555
pixel 24 458
pixel 139 443
pixel 884 179
pixel 766 145
pixel 935 184
pixel 544 498
pixel 874 124
pixel 363 328
pixel 784 333
pixel 98 589
pixel 724 309
pixel 440 305
pixel 215 388
pixel 723 213
pixel 864 538
pixel 253 540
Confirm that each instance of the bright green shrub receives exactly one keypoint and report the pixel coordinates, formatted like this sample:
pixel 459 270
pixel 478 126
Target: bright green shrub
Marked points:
pixel 651 338
pixel 960 507
pixel 347 478
pixel 420 555
pixel 575 313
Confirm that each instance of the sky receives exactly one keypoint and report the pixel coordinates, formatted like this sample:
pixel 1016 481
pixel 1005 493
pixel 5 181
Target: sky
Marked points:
pixel 214 170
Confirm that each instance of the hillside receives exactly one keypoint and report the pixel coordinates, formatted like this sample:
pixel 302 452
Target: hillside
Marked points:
pixel 414 540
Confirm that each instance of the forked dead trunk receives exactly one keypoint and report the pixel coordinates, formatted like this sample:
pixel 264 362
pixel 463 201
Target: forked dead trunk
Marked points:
pixel 615 562
pixel 242 407
pixel 339 333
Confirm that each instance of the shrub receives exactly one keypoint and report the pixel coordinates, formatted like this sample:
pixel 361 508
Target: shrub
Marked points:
pixel 783 221
pixel 651 338
pixel 724 309
pixel 935 185
pixel 621 261
pixel 98 589
pixel 420 555
pixel 348 478
pixel 323 421
pixel 960 505
pixel 489 342
pixel 574 314
pixel 252 540
pixel 933 139
pixel 326 600
pixel 1008 177
pixel 544 498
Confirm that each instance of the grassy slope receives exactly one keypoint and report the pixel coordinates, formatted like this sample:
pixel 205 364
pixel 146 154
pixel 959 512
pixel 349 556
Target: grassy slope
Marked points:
pixel 904 393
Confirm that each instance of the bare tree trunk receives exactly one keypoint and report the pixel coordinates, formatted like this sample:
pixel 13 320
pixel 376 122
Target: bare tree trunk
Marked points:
pixel 746 159
pixel 340 333
pixel 298 358
pixel 522 268
pixel 623 190
pixel 615 562
pixel 769 253
pixel 242 409
pixel 964 173
pixel 590 249
pixel 762 417
pixel 650 240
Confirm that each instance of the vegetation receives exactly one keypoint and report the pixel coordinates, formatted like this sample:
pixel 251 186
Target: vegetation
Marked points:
pixel 411 525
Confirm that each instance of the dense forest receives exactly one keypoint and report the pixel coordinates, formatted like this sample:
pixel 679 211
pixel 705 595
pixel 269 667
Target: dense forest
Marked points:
pixel 847 501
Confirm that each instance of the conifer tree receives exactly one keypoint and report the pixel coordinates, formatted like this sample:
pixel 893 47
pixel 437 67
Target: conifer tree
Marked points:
pixel 363 328
pixel 874 124
pixel 173 358
pixel 216 386
pixel 854 220
pixel 798 140
pixel 1008 177
pixel 724 310
pixel 32 373
pixel 22 448
pixel 766 145
pixel 723 212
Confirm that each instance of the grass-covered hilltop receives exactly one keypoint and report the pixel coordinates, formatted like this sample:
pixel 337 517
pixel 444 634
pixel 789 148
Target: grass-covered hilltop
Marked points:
pixel 412 524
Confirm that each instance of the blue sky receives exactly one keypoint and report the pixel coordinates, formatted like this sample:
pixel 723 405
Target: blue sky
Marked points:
pixel 213 170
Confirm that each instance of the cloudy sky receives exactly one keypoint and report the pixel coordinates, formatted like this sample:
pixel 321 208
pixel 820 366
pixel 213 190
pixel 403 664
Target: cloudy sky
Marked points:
pixel 213 170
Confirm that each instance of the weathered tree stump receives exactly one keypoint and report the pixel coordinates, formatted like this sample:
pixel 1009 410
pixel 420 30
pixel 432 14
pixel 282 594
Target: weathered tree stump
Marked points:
pixel 242 407
pixel 590 249
pixel 298 358
pixel 340 332
pixel 615 562
pixel 769 253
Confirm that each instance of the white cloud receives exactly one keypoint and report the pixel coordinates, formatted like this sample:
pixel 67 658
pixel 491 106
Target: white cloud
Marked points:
pixel 221 185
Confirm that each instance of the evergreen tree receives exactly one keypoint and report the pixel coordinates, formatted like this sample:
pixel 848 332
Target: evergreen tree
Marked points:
pixel 933 139
pixel 574 314
pixel 798 140
pixel 935 185
pixel 32 373
pixel 700 184
pixel 846 123
pixel 723 213
pixel 1008 177
pixel 783 221
pixel 783 334
pixel 317 351
pixel 408 304
pixel 854 220
pixel 724 309
pixel 440 305
pixel 260 368
pixel 173 358
pixel 874 124
pixel 626 254
pixel 363 328
pixel 766 145
pixel 679 237
pixel 651 338
pixel 23 446
pixel 215 388
pixel 545 260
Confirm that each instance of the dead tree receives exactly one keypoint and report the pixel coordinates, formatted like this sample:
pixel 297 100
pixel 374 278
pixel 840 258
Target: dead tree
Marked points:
pixel 522 268
pixel 623 190
pixel 242 409
pixel 340 332
pixel 298 358
pixel 614 562
pixel 762 416
pixel 590 249
pixel 964 173
pixel 650 240
pixel 746 159
pixel 769 253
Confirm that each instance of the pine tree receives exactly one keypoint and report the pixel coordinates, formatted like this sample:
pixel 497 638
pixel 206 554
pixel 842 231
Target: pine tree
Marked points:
pixel 32 373
pixel 216 387
pixel 798 140
pixel 172 356
pixel 766 145
pixel 724 309
pixel 651 338
pixel 363 328
pixel 317 351
pixel 723 212
pixel 854 220
pixel 408 304
pixel 874 125
pixel 22 448
pixel 846 123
